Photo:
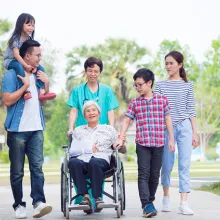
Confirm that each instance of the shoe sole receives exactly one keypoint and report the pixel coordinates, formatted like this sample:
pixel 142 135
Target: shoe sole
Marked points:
pixel 24 217
pixel 47 97
pixel 43 212
pixel 148 215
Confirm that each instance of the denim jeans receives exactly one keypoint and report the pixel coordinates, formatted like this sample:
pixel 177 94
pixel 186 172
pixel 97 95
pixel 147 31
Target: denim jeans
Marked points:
pixel 149 161
pixel 183 139
pixel 31 144
pixel 14 64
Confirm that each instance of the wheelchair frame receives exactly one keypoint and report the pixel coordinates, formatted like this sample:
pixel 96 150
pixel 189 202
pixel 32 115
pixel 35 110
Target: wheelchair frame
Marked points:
pixel 116 172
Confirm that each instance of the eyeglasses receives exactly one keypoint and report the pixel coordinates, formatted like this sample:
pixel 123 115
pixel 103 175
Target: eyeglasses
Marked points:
pixel 138 86
pixel 93 71
pixel 37 55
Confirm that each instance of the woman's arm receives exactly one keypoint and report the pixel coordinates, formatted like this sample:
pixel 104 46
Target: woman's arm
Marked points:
pixel 195 140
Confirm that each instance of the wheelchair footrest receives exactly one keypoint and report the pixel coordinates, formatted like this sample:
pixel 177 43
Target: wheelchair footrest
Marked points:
pixel 78 207
pixel 108 205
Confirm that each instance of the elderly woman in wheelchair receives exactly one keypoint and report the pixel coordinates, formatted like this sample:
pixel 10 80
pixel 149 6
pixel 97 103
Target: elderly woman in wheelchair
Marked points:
pixel 91 157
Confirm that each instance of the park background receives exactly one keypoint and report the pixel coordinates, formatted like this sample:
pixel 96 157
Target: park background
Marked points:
pixel 126 35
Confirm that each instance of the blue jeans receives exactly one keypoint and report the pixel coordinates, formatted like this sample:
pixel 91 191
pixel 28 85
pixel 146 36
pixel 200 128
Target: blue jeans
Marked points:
pixel 183 139
pixel 31 144
pixel 14 64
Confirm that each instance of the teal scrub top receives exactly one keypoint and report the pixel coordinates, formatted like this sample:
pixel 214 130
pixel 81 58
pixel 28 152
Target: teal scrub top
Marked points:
pixel 105 99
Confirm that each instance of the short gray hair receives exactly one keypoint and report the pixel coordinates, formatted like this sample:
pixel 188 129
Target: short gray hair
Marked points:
pixel 90 103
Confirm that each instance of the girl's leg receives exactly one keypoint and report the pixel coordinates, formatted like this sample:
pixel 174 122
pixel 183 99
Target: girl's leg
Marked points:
pixel 14 64
pixel 184 143
pixel 40 84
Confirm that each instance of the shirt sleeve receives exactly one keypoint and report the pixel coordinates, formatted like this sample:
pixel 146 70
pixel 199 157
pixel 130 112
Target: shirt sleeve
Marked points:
pixel 113 134
pixel 8 83
pixel 73 99
pixel 166 106
pixel 15 44
pixel 112 100
pixel 131 110
pixel 157 88
pixel 191 102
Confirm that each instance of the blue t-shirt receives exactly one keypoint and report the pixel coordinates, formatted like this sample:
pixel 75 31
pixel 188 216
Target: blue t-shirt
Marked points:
pixel 104 97
pixel 14 112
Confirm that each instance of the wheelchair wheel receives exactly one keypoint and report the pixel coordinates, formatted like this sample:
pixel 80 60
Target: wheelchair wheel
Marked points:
pixel 64 193
pixel 122 189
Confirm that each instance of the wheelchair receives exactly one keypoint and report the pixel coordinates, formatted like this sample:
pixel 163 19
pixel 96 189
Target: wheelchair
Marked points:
pixel 115 175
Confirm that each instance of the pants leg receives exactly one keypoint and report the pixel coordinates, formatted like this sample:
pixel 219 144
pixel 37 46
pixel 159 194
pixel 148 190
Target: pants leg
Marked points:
pixel 78 170
pixel 144 163
pixel 96 169
pixel 184 144
pixel 35 157
pixel 39 83
pixel 156 163
pixel 167 162
pixel 19 69
pixel 16 142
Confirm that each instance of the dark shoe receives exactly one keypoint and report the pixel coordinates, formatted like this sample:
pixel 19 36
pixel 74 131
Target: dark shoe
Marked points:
pixel 47 96
pixel 149 211
pixel 87 201
pixel 97 202
pixel 27 95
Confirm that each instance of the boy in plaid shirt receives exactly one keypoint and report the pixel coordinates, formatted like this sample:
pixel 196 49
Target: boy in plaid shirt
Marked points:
pixel 152 114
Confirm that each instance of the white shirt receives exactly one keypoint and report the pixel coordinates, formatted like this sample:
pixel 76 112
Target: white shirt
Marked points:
pixel 31 120
pixel 104 136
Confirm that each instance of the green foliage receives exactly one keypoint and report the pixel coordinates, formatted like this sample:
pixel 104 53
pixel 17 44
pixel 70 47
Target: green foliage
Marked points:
pixel 4 157
pixel 131 152
pixel 214 188
pixel 58 124
pixel 211 154
pixel 5 26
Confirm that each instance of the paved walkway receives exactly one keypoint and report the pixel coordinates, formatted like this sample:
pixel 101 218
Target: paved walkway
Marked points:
pixel 205 205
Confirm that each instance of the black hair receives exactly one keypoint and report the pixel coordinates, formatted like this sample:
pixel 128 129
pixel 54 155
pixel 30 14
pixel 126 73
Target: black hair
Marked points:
pixel 145 74
pixel 27 46
pixel 179 59
pixel 91 61
pixel 23 18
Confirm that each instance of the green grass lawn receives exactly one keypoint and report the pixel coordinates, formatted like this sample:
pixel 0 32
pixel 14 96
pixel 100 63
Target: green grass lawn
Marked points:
pixel 198 169
pixel 214 188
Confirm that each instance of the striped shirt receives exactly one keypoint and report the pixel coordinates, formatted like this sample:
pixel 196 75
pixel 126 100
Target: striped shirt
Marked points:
pixel 150 122
pixel 181 98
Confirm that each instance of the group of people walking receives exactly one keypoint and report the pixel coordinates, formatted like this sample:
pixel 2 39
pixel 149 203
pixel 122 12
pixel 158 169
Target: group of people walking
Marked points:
pixel 165 117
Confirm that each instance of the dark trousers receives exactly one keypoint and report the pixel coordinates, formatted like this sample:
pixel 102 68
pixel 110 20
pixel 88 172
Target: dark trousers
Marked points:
pixel 31 144
pixel 94 169
pixel 149 161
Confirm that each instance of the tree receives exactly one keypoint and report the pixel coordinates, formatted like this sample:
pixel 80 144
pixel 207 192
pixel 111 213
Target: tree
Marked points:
pixel 58 124
pixel 119 56
pixel 208 96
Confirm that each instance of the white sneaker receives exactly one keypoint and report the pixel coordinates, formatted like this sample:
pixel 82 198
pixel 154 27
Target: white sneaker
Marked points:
pixel 41 210
pixel 166 204
pixel 20 212
pixel 185 209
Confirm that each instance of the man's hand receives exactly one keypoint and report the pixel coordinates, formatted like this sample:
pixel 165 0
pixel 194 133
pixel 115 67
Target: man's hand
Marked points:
pixel 42 76
pixel 25 80
pixel 171 146
pixel 195 140
pixel 69 132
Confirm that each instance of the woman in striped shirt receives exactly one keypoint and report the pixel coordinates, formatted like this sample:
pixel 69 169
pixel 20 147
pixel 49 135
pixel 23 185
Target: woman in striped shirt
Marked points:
pixel 179 92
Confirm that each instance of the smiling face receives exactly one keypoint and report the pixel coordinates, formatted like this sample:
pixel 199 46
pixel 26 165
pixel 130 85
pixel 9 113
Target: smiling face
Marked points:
pixel 28 28
pixel 172 66
pixel 33 56
pixel 93 73
pixel 91 114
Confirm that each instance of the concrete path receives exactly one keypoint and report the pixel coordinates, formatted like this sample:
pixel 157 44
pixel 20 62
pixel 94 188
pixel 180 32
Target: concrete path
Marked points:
pixel 205 205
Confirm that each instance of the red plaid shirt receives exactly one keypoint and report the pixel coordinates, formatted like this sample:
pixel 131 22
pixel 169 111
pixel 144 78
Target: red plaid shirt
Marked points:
pixel 150 122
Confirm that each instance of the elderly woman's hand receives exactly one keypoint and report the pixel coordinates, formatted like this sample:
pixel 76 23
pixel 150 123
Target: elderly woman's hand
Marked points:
pixel 95 148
